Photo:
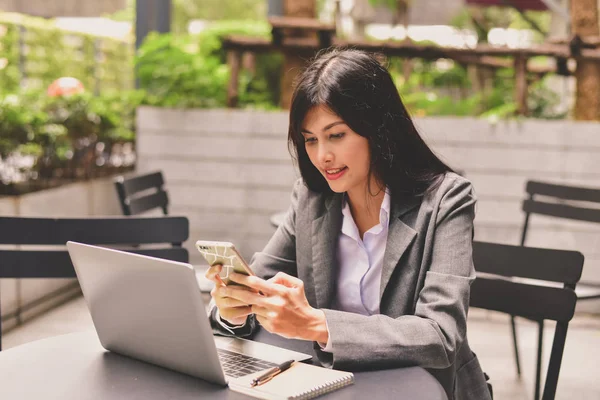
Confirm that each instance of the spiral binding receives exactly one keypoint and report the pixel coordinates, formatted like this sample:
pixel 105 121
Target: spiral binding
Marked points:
pixel 325 388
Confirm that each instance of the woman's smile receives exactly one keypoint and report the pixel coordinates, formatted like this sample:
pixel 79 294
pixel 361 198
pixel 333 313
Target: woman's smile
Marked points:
pixel 335 173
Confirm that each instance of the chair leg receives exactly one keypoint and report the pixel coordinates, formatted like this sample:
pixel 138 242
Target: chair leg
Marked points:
pixel 515 345
pixel 558 346
pixel 0 325
pixel 538 369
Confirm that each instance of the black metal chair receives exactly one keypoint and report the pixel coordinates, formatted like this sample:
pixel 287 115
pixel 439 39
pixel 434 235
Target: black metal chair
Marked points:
pixel 537 284
pixel 557 201
pixel 165 234
pixel 142 193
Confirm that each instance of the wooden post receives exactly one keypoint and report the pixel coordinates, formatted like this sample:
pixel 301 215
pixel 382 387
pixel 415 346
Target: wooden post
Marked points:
pixel 249 62
pixel 234 58
pixel 521 84
pixel 294 63
pixel 584 22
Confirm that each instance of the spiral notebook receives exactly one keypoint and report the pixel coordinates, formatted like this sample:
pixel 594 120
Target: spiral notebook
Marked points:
pixel 300 382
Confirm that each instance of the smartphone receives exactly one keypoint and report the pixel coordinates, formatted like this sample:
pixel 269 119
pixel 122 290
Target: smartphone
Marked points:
pixel 226 254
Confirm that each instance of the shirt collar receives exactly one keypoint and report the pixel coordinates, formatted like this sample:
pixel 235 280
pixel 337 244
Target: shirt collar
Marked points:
pixel 349 226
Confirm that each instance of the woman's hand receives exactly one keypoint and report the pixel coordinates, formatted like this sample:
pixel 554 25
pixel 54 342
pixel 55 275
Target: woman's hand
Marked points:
pixel 282 307
pixel 231 310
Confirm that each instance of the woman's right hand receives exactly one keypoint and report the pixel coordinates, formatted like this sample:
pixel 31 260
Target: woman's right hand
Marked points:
pixel 231 310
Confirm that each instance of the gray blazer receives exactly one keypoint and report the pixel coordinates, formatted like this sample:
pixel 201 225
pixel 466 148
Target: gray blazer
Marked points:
pixel 425 284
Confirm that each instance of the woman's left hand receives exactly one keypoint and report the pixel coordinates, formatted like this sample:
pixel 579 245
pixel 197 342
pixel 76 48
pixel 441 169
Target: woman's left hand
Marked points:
pixel 282 308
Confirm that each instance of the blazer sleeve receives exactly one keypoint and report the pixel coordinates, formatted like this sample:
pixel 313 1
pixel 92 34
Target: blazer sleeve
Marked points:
pixel 432 336
pixel 278 255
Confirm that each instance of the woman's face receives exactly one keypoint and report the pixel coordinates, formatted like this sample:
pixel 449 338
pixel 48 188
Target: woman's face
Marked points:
pixel 340 154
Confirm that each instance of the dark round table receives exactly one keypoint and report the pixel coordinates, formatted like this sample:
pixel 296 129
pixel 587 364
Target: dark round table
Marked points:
pixel 76 366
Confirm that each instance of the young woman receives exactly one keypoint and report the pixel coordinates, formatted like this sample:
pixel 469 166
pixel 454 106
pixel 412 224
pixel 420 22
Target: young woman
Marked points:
pixel 374 259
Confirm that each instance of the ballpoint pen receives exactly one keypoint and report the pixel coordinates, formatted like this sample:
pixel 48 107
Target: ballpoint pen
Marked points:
pixel 267 376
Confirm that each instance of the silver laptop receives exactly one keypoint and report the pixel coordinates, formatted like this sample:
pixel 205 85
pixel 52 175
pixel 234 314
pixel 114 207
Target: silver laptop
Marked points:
pixel 152 310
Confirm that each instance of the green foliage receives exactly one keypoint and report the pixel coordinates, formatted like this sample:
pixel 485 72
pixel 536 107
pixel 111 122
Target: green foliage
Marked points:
pixel 184 11
pixel 20 120
pixel 542 102
pixel 391 4
pixel 191 70
pixel 50 53
pixel 175 75
pixel 76 114
pixel 429 103
pixel 9 68
pixel 444 88
pixel 65 133
pixel 116 113
pixel 263 88
pixel 483 19
pixel 68 136
pixel 432 87
pixel 502 111
pixel 441 74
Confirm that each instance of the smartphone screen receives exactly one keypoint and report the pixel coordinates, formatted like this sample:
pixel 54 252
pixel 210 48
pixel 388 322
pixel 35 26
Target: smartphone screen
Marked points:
pixel 223 253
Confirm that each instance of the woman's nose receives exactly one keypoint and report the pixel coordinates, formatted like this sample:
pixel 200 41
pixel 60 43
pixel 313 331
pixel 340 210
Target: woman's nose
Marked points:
pixel 325 155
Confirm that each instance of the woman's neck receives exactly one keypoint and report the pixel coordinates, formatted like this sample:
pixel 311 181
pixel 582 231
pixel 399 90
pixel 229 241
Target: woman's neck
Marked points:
pixel 365 206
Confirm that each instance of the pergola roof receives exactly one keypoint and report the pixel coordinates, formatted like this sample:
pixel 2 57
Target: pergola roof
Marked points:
pixel 63 8
pixel 537 5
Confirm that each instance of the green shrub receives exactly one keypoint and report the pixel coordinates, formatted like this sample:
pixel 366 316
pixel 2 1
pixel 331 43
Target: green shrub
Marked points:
pixel 9 67
pixel 50 53
pixel 70 136
pixel 21 120
pixel 191 70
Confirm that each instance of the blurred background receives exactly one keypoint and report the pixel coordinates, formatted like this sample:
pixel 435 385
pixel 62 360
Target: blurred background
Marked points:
pixel 506 91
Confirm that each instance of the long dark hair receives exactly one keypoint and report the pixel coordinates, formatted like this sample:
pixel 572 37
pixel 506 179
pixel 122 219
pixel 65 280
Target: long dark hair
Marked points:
pixel 356 87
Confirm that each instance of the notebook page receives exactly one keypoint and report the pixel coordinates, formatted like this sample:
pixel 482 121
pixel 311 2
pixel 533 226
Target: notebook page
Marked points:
pixel 300 381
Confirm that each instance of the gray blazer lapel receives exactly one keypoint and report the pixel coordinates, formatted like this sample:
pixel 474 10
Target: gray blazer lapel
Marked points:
pixel 400 236
pixel 325 232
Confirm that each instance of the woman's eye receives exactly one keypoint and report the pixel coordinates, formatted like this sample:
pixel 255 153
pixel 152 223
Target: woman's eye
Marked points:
pixel 337 135
pixel 310 140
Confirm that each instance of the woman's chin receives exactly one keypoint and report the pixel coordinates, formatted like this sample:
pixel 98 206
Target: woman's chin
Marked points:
pixel 337 187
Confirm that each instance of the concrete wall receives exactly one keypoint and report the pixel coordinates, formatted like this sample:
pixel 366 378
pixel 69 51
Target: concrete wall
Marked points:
pixel 229 171
pixel 75 200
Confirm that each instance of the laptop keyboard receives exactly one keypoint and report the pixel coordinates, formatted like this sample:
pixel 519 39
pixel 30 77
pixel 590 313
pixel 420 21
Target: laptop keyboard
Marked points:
pixel 236 364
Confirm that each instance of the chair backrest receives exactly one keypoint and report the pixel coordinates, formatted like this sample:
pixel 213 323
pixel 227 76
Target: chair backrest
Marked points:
pixel 559 201
pixel 546 293
pixel 165 236
pixel 142 193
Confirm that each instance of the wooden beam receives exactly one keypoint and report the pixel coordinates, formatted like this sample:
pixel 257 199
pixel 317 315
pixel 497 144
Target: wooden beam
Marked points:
pixel 309 24
pixel 497 63
pixel 408 50
pixel 463 56
pixel 589 40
